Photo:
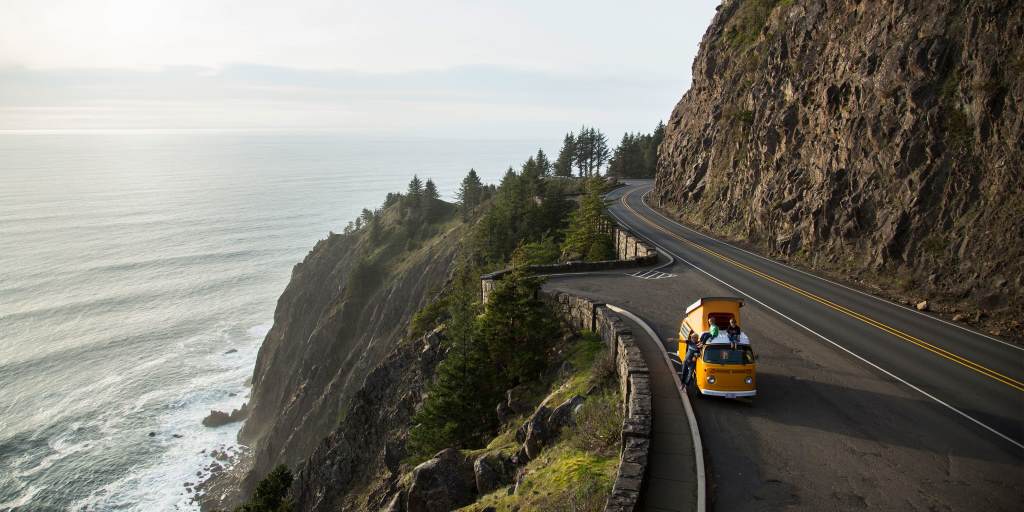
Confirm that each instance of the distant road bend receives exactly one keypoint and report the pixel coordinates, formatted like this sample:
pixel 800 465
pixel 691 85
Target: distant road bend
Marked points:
pixel 861 403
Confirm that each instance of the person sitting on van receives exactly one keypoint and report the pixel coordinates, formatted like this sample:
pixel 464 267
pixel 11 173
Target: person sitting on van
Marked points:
pixel 733 330
pixel 712 331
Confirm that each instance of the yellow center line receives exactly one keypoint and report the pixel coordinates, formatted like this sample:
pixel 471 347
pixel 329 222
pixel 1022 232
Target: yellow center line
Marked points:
pixel 988 372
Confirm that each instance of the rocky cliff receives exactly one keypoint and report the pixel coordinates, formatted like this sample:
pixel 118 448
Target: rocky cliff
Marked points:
pixel 881 141
pixel 346 308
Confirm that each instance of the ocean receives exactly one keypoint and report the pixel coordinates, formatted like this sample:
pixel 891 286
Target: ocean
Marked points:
pixel 139 271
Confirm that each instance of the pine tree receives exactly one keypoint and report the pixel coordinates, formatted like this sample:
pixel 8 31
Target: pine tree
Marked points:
pixel 414 192
pixel 430 201
pixel 587 236
pixel 459 407
pixel 584 152
pixel 566 156
pixel 599 145
pixel 271 493
pixel 530 169
pixel 543 164
pixel 470 193
pixel 517 326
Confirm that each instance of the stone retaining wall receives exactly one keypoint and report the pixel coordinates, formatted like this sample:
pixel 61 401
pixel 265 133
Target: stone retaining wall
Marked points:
pixel 630 251
pixel 634 383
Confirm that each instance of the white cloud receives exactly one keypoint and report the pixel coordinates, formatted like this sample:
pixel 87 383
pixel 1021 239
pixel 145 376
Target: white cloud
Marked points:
pixel 403 66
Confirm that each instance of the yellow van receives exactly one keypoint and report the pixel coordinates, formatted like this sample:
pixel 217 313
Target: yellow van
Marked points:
pixel 720 370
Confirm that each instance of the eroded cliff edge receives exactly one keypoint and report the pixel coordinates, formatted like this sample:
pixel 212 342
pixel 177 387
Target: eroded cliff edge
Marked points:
pixel 345 309
pixel 881 142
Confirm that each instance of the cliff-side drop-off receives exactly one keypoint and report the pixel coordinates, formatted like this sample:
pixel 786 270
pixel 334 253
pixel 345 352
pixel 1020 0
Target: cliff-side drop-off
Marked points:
pixel 879 141
pixel 347 306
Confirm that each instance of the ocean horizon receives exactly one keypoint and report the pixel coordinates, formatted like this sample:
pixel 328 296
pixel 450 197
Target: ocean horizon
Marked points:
pixel 139 272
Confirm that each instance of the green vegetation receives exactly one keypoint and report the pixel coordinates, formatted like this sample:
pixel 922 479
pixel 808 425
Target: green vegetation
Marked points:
pixel 748 21
pixel 587 152
pixel 271 493
pixel 576 472
pixel 588 236
pixel 471 193
pixel 505 346
pixel 637 154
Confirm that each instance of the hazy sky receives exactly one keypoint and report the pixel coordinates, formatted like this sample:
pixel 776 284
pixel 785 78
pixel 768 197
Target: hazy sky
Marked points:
pixel 452 68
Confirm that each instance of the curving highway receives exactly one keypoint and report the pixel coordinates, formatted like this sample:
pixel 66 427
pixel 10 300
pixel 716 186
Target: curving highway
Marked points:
pixel 863 404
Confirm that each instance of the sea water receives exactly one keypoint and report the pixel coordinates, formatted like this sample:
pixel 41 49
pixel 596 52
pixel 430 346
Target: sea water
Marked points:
pixel 139 271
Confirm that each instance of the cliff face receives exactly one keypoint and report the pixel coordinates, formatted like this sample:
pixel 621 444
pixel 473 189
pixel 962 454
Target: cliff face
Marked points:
pixel 337 320
pixel 357 466
pixel 878 140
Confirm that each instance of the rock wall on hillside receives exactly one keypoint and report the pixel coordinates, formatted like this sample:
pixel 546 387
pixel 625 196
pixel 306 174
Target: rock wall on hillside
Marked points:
pixel 879 141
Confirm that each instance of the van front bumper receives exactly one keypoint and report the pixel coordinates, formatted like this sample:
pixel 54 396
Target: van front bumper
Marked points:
pixel 729 394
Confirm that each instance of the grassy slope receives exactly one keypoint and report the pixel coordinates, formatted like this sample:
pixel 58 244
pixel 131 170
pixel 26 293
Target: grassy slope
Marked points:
pixel 575 472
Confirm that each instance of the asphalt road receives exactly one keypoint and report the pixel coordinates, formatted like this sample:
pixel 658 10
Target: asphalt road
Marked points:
pixel 862 404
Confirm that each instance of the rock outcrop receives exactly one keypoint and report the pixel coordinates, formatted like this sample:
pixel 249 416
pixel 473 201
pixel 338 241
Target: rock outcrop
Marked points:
pixel 218 418
pixel 357 466
pixel 343 312
pixel 445 482
pixel 879 141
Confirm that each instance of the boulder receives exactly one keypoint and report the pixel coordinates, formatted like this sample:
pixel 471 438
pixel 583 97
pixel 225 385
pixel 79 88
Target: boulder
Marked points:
pixel 536 434
pixel 565 414
pixel 504 412
pixel 396 503
pixel 518 399
pixel 443 483
pixel 493 471
pixel 218 418
pixel 922 306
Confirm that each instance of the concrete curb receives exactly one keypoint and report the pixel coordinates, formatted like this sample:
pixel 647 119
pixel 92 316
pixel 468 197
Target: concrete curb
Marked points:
pixel 698 445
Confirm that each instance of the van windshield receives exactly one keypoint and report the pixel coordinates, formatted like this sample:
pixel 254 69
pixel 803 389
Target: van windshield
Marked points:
pixel 726 355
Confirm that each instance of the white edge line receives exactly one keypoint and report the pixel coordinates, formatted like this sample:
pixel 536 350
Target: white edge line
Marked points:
pixel 848 351
pixel 698 446
pixel 643 199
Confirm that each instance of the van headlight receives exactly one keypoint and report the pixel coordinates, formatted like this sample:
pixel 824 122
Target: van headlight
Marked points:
pixel 711 379
pixel 749 380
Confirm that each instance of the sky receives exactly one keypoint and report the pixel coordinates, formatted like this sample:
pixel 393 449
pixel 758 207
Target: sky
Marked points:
pixel 494 69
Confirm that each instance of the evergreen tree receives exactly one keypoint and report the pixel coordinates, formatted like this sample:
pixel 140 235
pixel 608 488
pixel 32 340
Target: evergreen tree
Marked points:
pixel 517 326
pixel 430 201
pixel 584 150
pixel 588 236
pixel 543 164
pixel 637 154
pixel 459 407
pixel 531 170
pixel 414 192
pixel 566 156
pixel 271 493
pixel 600 150
pixel 366 215
pixel 470 193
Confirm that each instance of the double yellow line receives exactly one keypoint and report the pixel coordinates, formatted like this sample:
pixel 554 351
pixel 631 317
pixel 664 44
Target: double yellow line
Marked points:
pixel 988 372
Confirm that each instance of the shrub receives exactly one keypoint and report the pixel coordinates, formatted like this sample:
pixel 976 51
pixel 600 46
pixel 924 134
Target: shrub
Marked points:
pixel 271 493
pixel 599 424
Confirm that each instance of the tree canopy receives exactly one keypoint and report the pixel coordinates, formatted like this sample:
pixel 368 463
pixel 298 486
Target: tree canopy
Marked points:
pixel 637 154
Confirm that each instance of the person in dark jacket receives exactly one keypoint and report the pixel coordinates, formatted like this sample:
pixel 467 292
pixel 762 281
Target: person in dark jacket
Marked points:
pixel 733 330
pixel 693 346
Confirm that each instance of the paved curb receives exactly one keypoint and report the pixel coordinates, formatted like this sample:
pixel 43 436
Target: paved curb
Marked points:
pixel 698 446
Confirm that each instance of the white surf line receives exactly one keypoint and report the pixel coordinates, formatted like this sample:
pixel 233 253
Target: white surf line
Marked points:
pixel 698 446
pixel 848 351
pixel 643 199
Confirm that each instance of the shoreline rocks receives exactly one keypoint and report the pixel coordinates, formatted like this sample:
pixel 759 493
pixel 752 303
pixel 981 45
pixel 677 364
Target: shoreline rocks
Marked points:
pixel 219 418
